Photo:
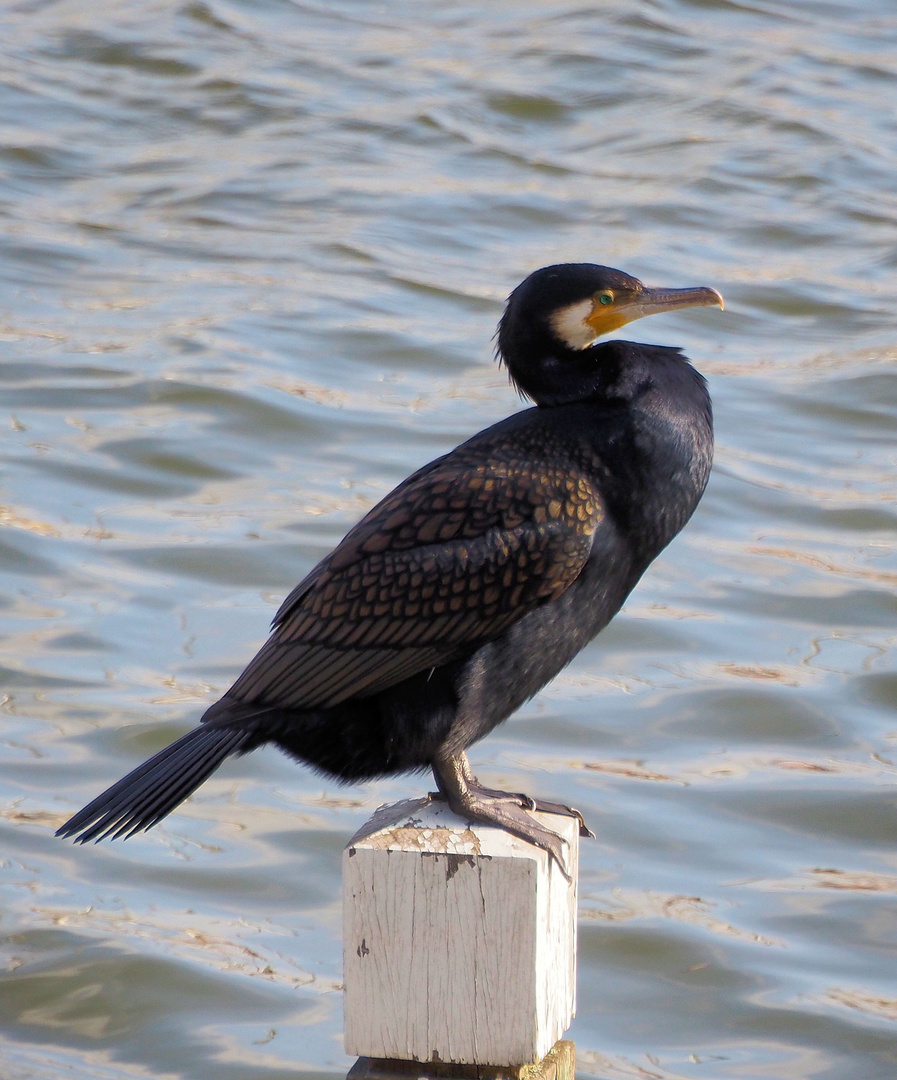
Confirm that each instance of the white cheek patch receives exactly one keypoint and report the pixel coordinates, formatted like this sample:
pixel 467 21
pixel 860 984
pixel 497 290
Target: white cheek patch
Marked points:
pixel 570 326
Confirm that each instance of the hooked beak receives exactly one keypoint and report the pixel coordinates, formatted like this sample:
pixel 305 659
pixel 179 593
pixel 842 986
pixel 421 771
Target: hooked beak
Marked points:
pixel 653 301
pixel 628 307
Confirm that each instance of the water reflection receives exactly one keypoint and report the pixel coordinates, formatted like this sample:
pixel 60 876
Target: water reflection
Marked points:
pixel 254 255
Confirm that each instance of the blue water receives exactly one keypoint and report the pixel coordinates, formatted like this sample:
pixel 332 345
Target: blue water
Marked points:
pixel 253 258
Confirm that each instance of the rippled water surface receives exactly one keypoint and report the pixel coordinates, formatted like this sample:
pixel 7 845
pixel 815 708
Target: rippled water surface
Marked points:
pixel 253 256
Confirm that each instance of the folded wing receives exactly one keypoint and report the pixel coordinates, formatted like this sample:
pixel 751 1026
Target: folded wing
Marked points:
pixel 446 562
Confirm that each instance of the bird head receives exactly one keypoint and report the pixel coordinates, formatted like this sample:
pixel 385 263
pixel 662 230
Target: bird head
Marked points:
pixel 547 334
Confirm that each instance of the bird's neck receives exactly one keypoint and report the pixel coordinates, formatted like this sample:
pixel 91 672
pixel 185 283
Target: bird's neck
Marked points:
pixel 610 372
pixel 666 438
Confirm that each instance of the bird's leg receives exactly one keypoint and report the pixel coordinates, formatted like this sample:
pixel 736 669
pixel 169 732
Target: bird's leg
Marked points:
pixel 461 762
pixel 453 778
pixel 518 798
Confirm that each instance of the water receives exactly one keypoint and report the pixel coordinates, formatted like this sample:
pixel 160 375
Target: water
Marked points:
pixel 254 254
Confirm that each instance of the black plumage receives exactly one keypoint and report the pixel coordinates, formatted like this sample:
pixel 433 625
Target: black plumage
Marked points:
pixel 479 577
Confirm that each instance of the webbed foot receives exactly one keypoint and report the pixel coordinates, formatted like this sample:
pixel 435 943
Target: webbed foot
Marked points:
pixel 508 810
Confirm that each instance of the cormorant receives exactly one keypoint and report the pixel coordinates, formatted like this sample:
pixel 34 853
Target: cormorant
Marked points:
pixel 473 583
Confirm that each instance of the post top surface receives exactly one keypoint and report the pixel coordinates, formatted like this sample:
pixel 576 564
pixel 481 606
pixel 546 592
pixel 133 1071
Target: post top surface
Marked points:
pixel 429 825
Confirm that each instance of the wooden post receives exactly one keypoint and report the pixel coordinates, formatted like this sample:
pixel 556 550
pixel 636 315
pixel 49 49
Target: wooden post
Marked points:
pixel 459 943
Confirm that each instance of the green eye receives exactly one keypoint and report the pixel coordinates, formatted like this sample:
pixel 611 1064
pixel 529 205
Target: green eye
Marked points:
pixel 606 298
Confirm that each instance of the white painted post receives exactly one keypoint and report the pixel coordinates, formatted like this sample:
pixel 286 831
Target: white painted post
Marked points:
pixel 459 939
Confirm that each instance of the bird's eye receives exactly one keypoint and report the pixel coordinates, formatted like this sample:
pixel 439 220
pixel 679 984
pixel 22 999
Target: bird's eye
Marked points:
pixel 606 298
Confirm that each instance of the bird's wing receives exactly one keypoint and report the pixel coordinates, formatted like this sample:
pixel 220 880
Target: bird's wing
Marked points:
pixel 448 560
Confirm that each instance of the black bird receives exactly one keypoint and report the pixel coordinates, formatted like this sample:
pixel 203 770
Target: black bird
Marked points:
pixel 473 583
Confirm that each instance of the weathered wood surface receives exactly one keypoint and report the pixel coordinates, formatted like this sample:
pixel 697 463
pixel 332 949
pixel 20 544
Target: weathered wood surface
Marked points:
pixel 460 939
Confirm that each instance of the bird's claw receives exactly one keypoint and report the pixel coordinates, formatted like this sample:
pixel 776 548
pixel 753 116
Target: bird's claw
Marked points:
pixel 567 811
pixel 513 798
pixel 504 809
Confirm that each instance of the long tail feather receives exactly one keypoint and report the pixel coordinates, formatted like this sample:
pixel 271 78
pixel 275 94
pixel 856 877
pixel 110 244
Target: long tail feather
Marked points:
pixel 143 797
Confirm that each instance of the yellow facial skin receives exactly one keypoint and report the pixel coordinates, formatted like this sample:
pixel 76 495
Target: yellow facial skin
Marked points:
pixel 612 309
